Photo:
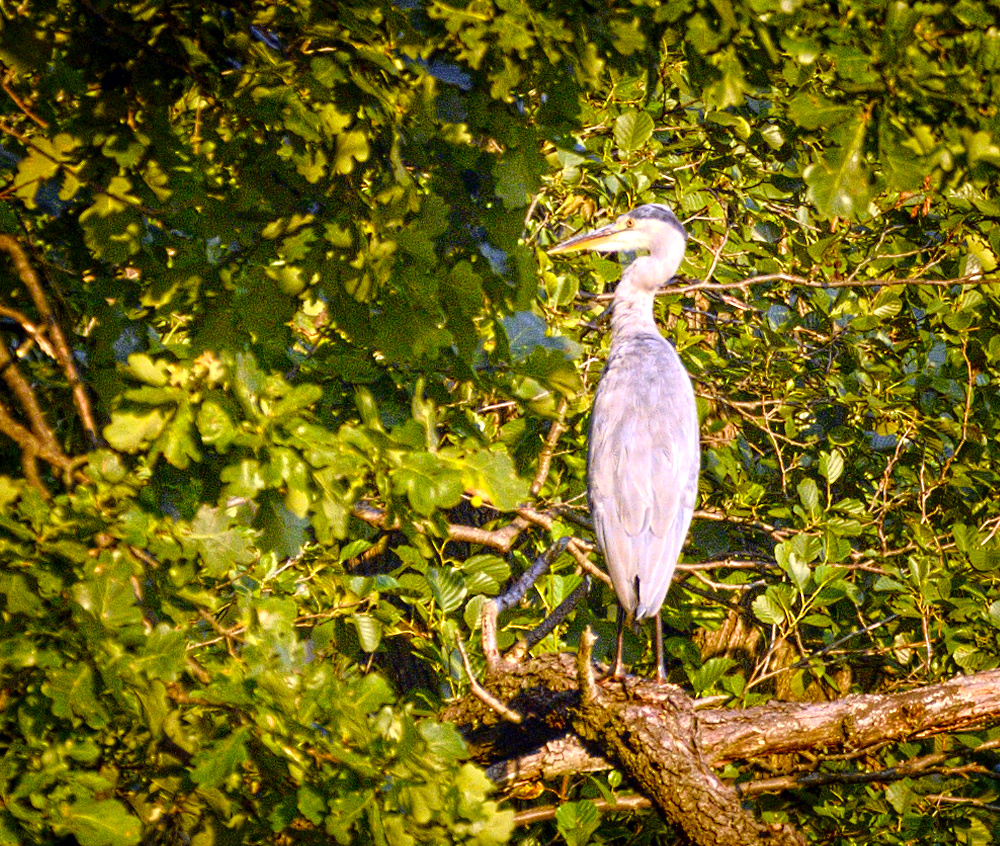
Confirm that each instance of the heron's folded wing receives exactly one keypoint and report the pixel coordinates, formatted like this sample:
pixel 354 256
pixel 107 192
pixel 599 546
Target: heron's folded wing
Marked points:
pixel 646 501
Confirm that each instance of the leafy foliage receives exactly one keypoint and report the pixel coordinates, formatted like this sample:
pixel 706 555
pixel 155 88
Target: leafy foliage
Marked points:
pixel 293 250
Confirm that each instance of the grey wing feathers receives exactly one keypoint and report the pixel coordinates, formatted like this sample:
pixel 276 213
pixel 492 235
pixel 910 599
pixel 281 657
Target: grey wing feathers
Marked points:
pixel 643 470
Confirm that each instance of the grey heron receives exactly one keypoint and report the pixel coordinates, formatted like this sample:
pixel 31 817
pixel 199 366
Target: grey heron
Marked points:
pixel 644 453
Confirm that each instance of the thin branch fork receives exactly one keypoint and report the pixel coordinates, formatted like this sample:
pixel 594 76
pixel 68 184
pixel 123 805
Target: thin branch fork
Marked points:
pixel 33 448
pixel 914 768
pixel 64 354
pixel 502 539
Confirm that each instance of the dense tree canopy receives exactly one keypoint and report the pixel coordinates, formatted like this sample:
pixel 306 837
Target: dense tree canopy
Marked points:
pixel 291 389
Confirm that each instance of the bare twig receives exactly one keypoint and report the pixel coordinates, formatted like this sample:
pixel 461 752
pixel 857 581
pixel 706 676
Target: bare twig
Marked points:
pixel 26 398
pixel 30 329
pixel 913 768
pixel 545 457
pixel 482 694
pixel 745 284
pixel 548 812
pixel 939 798
pixel 5 84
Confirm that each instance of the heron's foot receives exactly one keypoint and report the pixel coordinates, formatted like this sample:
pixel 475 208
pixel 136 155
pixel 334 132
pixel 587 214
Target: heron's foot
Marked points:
pixel 617 669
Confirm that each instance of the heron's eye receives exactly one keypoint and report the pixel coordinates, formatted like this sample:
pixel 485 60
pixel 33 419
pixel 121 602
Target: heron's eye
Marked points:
pixel 630 223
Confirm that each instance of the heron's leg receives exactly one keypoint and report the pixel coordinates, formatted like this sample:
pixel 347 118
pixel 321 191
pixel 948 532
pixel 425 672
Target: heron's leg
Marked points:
pixel 618 671
pixel 661 674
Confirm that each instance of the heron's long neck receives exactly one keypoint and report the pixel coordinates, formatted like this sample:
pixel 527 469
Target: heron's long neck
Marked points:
pixel 632 313
pixel 633 305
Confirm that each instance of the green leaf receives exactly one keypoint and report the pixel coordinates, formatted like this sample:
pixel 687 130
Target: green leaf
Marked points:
pixel 730 86
pixel 369 631
pixel 177 439
pixel 217 762
pixel 20 597
pixel 518 177
pixel 351 147
pixel 767 610
pixel 444 741
pixel 812 111
pixel 129 430
pixel 353 550
pixel 218 540
pixel 808 494
pixel 448 588
pixel 107 593
pixel 43 162
pixel 831 465
pixel 144 368
pixel 498 568
pixel 577 821
pixel 839 184
pixel 705 677
pixel 74 696
pixel 428 482
pixel 632 130
pixel 312 804
pixel 887 304
pixel 900 795
pixel 492 474
pixel 300 397
pixel 101 823
pixel 215 426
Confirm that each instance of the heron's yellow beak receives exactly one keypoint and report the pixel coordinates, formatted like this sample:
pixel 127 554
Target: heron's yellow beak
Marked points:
pixel 605 238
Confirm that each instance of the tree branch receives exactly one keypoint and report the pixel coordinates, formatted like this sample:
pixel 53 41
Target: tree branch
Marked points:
pixel 548 812
pixel 64 355
pixel 649 729
pixel 913 768
pixel 25 109
pixel 655 736
pixel 854 722
pixel 30 329
pixel 745 284
pixel 33 447
pixel 26 398
pixel 545 457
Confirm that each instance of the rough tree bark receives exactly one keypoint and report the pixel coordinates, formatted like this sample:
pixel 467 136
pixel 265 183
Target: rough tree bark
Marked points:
pixel 571 721
pixel 657 742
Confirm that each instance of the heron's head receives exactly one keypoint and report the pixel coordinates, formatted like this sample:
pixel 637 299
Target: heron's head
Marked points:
pixel 652 228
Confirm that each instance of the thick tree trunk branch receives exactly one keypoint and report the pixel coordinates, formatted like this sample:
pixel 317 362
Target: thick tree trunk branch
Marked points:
pixel 661 739
pixel 854 722
pixel 655 737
